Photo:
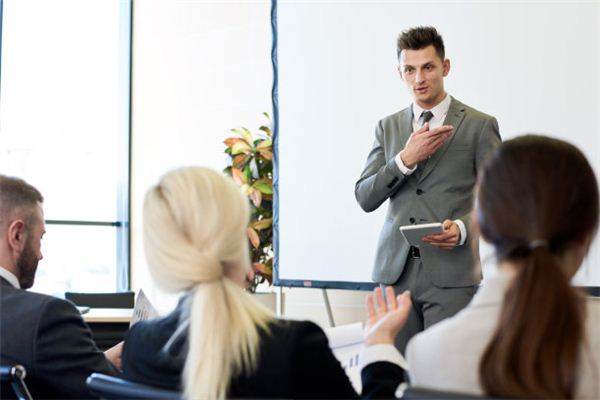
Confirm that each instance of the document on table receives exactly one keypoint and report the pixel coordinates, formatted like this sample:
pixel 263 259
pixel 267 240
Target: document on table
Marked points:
pixel 346 342
pixel 143 309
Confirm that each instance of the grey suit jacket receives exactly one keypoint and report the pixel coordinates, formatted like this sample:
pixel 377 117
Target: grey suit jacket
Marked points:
pixel 440 189
pixel 49 338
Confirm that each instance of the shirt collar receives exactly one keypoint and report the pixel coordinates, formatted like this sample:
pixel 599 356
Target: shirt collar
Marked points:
pixel 438 111
pixel 10 277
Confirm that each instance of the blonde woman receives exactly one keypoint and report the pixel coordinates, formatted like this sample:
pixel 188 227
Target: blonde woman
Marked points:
pixel 219 342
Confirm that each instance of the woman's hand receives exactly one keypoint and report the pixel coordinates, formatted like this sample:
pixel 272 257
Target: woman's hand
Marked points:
pixel 385 321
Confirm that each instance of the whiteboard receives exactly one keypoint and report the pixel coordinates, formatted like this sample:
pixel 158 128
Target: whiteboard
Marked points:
pixel 534 66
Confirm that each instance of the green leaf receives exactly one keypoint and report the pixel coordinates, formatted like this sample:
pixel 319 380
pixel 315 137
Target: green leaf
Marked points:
pixel 253 236
pixel 238 176
pixel 264 185
pixel 266 154
pixel 267 116
pixel 262 224
pixel 266 130
pixel 264 144
pixel 240 147
pixel 263 270
pixel 231 141
pixel 240 160
pixel 248 173
pixel 256 197
pixel 247 135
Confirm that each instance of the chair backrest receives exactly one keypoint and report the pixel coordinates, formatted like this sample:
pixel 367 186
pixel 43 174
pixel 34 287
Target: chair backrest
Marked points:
pixel 102 300
pixel 109 387
pixel 419 393
pixel 15 376
pixel 593 291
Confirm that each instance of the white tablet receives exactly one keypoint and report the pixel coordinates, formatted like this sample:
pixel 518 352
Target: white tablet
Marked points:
pixel 414 233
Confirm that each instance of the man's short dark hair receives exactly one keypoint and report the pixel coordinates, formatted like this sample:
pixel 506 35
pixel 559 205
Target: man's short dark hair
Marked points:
pixel 420 37
pixel 15 193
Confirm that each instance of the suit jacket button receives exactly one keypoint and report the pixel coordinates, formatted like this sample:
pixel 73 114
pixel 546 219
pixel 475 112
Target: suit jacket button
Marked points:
pixel 419 192
pixel 411 220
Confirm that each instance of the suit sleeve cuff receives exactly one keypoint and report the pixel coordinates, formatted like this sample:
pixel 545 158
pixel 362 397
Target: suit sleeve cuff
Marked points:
pixel 463 231
pixel 382 352
pixel 403 168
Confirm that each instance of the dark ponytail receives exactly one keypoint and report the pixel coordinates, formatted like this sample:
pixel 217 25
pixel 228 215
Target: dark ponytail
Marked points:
pixel 524 358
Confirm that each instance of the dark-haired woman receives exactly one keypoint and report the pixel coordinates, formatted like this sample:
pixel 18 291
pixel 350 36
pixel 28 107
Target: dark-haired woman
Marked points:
pixel 527 333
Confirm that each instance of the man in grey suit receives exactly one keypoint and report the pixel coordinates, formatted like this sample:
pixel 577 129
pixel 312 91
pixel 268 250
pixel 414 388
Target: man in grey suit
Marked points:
pixel 425 160
pixel 45 334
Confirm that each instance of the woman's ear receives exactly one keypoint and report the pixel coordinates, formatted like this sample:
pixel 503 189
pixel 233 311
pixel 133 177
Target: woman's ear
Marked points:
pixel 235 271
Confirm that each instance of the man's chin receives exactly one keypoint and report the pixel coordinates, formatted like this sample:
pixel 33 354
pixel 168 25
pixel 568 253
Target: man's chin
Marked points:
pixel 26 284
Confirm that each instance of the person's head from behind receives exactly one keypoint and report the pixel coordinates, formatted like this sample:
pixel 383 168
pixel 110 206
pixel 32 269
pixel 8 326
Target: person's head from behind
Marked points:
pixel 537 204
pixel 422 64
pixel 195 224
pixel 22 226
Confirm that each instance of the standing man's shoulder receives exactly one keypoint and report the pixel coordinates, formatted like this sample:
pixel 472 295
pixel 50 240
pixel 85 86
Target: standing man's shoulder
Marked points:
pixel 396 118
pixel 457 105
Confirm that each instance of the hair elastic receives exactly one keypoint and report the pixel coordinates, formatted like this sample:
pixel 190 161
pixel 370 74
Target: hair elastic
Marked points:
pixel 535 243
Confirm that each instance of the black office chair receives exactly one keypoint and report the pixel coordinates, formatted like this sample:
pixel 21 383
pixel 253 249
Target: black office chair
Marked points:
pixel 102 300
pixel 109 387
pixel 592 291
pixel 15 376
pixel 419 393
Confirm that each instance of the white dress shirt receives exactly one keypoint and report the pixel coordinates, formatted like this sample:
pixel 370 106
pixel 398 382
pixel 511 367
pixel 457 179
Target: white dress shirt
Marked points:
pixel 10 277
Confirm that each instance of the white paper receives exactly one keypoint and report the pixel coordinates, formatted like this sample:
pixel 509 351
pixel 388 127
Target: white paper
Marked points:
pixel 143 309
pixel 346 343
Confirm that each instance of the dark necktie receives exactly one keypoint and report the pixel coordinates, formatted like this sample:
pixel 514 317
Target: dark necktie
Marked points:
pixel 426 116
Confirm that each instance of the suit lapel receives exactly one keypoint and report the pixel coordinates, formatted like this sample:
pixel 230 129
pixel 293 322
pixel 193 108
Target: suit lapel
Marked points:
pixel 456 114
pixel 406 127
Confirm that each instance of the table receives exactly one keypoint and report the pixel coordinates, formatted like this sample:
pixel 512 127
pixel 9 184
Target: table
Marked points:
pixel 108 325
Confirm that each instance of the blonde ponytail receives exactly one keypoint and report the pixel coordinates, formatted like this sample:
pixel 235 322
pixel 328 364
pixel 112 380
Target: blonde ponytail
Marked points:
pixel 194 222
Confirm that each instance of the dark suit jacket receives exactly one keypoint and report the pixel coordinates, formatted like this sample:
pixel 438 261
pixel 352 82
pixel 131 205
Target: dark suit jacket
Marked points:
pixel 441 188
pixel 49 338
pixel 295 362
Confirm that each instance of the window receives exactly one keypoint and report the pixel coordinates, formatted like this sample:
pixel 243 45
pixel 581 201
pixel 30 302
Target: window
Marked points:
pixel 64 127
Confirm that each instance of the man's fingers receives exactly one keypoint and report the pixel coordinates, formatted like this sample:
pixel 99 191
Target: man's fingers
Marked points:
pixel 438 237
pixel 441 130
pixel 447 224
pixel 443 246
pixel 423 129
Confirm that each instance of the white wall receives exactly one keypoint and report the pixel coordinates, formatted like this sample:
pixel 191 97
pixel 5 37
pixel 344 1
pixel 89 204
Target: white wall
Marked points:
pixel 200 68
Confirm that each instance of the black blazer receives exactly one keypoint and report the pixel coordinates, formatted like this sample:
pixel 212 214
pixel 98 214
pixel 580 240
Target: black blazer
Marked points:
pixel 49 338
pixel 295 361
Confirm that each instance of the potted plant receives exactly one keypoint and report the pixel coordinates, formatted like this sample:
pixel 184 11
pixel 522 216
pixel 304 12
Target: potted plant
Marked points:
pixel 251 167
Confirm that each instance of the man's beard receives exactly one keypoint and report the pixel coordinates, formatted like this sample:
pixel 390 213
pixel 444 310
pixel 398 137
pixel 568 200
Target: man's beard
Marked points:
pixel 27 266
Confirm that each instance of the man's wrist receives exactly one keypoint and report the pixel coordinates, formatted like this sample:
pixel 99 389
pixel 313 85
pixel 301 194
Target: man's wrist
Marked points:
pixel 402 165
pixel 463 232
pixel 408 163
